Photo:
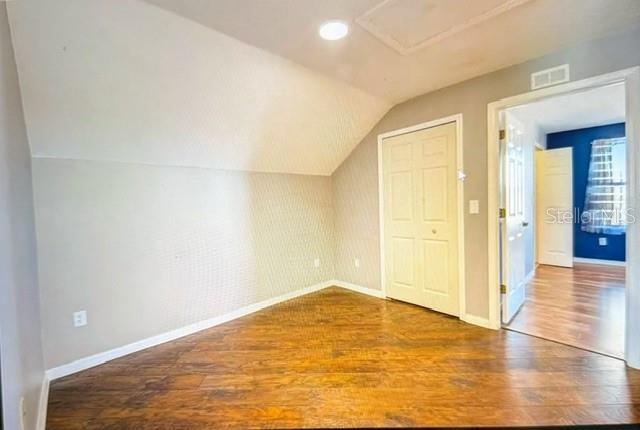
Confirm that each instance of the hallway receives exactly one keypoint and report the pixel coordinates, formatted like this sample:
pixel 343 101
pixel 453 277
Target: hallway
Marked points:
pixel 582 307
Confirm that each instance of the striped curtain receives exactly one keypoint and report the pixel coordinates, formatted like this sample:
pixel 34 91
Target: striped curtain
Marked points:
pixel 605 201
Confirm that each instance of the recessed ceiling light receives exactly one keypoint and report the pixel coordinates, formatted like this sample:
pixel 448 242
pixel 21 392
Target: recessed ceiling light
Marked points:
pixel 334 30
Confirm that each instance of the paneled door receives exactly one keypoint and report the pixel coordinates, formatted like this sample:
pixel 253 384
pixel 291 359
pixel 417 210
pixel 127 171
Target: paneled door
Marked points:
pixel 514 222
pixel 554 206
pixel 421 218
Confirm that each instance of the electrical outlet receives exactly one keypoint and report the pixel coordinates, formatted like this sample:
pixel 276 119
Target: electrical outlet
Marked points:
pixel 80 318
pixel 602 241
pixel 474 207
pixel 316 262
pixel 356 262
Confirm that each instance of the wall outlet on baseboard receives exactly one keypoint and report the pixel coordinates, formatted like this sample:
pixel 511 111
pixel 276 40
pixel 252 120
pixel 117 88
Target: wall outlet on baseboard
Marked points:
pixel 602 241
pixel 80 318
pixel 356 262
pixel 316 262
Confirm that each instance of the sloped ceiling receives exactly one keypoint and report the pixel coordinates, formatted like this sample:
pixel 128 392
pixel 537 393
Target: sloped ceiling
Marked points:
pixel 127 81
pixel 445 41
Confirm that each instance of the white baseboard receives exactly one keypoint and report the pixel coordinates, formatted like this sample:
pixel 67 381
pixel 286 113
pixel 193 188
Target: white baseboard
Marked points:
pixel 103 357
pixel 479 321
pixel 41 421
pixel 596 261
pixel 358 289
pixel 530 276
pixel 468 318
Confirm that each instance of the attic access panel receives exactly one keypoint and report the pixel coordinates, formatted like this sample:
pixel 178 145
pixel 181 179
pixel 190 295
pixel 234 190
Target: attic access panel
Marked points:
pixel 410 25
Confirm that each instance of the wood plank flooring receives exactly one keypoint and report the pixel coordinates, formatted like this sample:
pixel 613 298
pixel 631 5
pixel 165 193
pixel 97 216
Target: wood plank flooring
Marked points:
pixel 583 307
pixel 340 359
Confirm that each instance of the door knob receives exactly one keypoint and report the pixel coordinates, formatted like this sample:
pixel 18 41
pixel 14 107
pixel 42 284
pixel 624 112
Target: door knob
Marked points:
pixel 434 231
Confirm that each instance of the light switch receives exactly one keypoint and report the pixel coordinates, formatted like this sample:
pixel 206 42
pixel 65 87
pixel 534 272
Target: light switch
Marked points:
pixel 602 241
pixel 474 207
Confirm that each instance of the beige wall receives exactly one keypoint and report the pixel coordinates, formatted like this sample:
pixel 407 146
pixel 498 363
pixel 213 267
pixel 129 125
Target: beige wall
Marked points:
pixel 355 181
pixel 22 364
pixel 148 249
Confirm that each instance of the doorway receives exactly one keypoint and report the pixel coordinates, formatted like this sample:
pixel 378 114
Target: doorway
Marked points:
pixel 564 212
pixel 566 254
pixel 421 215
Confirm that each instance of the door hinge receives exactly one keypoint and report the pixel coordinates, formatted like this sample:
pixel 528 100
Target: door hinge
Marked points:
pixel 503 289
pixel 502 134
pixel 502 213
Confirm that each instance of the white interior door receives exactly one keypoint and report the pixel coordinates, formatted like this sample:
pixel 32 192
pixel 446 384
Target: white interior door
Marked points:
pixel 421 218
pixel 514 222
pixel 554 207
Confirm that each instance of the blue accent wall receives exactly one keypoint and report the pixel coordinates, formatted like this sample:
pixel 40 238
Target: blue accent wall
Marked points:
pixel 585 245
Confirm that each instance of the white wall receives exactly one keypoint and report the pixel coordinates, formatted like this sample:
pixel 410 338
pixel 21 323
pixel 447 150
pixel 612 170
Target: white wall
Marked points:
pixel 127 81
pixel 149 249
pixel 21 350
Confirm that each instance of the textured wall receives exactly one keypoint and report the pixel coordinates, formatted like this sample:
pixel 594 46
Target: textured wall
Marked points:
pixel 127 81
pixel 585 245
pixel 148 249
pixel 145 247
pixel 22 363
pixel 356 188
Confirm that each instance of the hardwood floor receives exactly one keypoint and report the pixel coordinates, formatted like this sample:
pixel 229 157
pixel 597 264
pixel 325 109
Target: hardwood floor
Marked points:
pixel 583 307
pixel 340 359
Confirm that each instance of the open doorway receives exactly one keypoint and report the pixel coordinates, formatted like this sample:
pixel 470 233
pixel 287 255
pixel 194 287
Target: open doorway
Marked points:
pixel 563 226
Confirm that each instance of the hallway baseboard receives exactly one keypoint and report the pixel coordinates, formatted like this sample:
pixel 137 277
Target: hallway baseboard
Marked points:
pixel 597 261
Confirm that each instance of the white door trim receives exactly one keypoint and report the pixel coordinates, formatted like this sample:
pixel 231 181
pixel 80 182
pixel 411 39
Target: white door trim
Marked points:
pixel 457 119
pixel 631 78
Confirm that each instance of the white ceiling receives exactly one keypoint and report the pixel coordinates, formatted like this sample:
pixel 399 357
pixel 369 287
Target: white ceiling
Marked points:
pixel 591 108
pixel 126 81
pixel 445 41
pixel 411 25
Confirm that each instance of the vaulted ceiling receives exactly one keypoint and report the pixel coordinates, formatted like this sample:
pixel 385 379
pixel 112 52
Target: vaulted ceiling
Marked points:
pixel 398 49
pixel 126 81
pixel 249 85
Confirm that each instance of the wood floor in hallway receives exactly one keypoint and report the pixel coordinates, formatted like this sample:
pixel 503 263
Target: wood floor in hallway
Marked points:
pixel 582 306
pixel 337 358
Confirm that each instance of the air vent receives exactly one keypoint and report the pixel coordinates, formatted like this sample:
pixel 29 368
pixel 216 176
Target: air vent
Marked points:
pixel 549 77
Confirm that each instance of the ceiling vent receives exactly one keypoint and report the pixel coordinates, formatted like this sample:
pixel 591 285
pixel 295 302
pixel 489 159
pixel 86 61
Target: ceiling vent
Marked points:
pixel 549 77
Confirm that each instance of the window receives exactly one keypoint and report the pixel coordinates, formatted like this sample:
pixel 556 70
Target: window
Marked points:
pixel 605 206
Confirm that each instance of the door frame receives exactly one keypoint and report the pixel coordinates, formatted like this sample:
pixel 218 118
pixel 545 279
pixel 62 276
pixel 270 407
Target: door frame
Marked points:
pixel 457 119
pixel 537 147
pixel 631 79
